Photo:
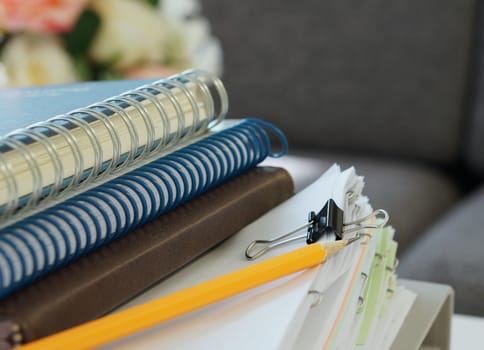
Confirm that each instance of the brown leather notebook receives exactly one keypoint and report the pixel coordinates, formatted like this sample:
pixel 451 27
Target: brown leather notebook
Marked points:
pixel 103 280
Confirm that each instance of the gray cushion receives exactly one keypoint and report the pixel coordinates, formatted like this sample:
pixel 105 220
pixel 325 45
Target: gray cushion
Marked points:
pixel 414 195
pixel 451 252
pixel 475 144
pixel 348 74
pixel 475 126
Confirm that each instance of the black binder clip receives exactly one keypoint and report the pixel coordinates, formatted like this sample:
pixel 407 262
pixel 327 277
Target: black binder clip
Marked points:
pixel 329 220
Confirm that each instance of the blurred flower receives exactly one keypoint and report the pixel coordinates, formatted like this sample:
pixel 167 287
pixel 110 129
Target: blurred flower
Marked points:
pixel 149 71
pixel 199 44
pixel 33 59
pixel 3 75
pixel 60 41
pixel 130 33
pixel 48 16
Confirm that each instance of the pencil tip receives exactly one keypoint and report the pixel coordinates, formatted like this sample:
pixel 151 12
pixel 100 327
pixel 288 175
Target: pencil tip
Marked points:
pixel 335 246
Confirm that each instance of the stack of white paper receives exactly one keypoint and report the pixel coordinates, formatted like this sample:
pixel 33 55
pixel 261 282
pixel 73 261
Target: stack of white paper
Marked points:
pixel 313 309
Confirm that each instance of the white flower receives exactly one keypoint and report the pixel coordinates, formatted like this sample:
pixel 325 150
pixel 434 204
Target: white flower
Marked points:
pixel 3 75
pixel 201 48
pixel 36 59
pixel 180 9
pixel 131 33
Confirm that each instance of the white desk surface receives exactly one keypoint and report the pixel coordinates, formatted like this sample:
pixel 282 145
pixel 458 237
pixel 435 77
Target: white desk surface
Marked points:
pixel 467 332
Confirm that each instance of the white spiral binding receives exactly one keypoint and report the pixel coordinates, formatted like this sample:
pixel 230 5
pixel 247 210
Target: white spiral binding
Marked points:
pixel 214 101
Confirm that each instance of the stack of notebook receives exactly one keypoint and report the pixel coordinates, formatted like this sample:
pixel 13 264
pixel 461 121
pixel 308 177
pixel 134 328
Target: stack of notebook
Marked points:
pixel 145 192
pixel 106 188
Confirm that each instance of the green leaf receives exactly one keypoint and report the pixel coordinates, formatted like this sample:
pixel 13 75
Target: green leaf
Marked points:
pixel 153 3
pixel 110 74
pixel 83 68
pixel 3 39
pixel 77 41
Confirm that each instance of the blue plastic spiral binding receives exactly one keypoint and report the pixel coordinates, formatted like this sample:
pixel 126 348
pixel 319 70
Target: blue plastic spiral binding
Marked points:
pixel 48 240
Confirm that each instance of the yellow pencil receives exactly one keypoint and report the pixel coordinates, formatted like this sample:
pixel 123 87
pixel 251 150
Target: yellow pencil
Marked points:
pixel 127 322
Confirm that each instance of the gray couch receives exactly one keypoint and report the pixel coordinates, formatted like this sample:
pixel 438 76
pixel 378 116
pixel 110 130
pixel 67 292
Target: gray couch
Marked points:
pixel 394 88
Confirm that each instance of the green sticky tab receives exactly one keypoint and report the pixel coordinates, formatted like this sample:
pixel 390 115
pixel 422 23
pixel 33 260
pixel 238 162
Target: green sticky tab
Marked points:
pixel 376 286
pixel 390 276
pixel 377 236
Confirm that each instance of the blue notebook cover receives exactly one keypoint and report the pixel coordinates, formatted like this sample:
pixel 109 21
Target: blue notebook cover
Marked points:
pixel 21 107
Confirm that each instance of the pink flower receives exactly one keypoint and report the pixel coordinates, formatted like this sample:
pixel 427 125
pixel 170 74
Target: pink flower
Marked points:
pixel 150 71
pixel 47 16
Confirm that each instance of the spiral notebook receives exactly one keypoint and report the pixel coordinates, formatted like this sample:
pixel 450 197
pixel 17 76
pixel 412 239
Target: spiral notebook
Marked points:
pixel 44 155
pixel 47 240
pixel 121 196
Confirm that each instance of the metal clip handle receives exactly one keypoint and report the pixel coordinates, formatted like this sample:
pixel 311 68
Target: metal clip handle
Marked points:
pixel 361 225
pixel 259 247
